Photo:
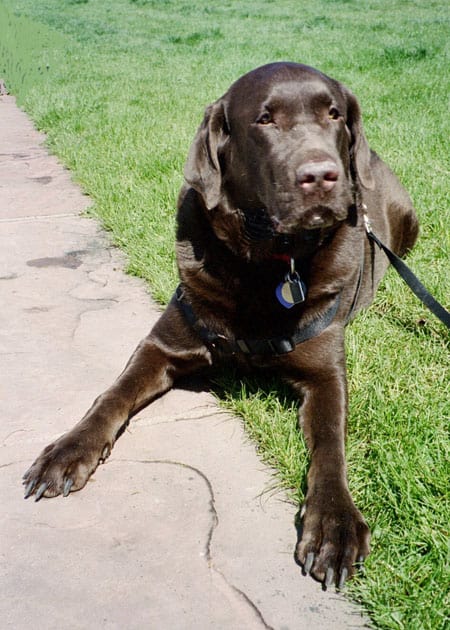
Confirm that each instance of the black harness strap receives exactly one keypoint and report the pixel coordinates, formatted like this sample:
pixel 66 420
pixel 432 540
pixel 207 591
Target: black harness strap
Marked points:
pixel 275 346
pixel 411 280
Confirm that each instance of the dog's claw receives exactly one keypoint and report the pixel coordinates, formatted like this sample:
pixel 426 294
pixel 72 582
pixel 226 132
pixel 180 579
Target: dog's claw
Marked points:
pixel 29 489
pixel 360 564
pixel 40 491
pixel 308 562
pixel 342 578
pixel 105 454
pixel 67 487
pixel 329 577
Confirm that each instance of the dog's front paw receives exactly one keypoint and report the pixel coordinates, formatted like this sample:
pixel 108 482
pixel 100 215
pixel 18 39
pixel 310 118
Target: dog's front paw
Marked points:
pixel 334 540
pixel 65 465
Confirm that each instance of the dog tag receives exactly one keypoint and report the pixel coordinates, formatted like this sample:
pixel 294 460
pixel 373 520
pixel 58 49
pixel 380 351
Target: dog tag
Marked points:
pixel 292 291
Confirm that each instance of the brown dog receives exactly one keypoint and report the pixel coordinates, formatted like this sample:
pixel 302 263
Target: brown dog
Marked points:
pixel 273 261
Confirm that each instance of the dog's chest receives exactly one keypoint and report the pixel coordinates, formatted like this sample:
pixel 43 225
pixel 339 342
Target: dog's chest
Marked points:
pixel 257 306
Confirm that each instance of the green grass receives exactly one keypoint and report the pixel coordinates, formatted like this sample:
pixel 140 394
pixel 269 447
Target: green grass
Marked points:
pixel 120 87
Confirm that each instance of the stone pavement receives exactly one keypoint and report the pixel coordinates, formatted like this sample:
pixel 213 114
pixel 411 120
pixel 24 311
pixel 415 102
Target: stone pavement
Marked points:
pixel 177 530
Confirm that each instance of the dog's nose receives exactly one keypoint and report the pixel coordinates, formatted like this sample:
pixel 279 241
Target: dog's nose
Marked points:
pixel 315 177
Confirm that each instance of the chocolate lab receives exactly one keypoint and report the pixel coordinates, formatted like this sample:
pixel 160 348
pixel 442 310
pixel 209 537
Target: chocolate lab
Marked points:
pixel 273 261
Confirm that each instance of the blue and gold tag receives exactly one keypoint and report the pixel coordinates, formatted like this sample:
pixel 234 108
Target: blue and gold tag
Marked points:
pixel 292 290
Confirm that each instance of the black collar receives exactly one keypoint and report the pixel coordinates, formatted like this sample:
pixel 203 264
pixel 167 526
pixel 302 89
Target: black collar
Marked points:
pixel 275 346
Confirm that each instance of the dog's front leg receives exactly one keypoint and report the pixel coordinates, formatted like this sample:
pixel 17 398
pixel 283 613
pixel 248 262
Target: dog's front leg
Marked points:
pixel 170 351
pixel 334 534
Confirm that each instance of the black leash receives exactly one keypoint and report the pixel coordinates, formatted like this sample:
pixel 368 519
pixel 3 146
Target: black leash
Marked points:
pixel 407 275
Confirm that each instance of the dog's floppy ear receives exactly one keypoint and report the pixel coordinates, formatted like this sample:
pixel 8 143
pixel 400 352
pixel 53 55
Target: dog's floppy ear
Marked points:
pixel 359 150
pixel 202 170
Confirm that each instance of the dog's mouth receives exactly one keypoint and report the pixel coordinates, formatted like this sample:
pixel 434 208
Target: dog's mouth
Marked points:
pixel 260 226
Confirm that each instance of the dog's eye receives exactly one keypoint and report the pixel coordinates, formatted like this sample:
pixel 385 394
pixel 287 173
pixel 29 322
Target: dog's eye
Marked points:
pixel 265 119
pixel 333 113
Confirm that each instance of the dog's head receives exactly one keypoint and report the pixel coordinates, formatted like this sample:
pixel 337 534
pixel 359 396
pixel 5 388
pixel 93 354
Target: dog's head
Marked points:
pixel 284 138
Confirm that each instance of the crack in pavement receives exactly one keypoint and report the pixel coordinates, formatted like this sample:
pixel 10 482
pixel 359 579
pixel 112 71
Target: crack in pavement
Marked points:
pixel 197 414
pixel 103 304
pixel 235 591
pixel 39 217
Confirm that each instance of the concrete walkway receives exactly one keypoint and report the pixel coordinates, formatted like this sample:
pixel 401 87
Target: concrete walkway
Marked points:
pixel 177 529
